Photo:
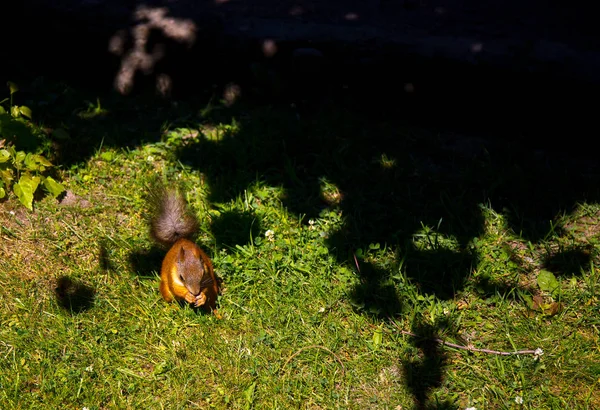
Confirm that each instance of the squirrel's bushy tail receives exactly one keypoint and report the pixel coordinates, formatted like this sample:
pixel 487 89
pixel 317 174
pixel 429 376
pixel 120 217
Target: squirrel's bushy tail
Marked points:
pixel 171 217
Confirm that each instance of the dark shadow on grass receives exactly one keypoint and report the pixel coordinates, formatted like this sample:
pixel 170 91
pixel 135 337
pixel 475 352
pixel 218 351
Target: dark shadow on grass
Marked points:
pixel 376 294
pixel 572 261
pixel 73 295
pixel 488 287
pixel 440 272
pixel 145 262
pixel 425 371
pixel 106 264
pixel 233 228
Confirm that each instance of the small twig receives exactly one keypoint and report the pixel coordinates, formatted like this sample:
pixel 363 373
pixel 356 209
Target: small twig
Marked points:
pixel 356 262
pixel 314 347
pixel 470 349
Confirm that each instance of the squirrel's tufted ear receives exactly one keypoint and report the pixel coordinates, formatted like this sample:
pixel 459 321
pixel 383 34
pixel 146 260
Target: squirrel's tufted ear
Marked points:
pixel 181 255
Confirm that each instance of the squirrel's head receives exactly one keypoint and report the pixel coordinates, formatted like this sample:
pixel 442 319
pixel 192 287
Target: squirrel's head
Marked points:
pixel 190 271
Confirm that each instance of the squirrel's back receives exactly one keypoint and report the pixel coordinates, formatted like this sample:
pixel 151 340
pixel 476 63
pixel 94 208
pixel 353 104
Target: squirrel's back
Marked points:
pixel 171 218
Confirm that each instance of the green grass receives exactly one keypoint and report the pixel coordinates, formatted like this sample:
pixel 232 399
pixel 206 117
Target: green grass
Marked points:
pixel 374 227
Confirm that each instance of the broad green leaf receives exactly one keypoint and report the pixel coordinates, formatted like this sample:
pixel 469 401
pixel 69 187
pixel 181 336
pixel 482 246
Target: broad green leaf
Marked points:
pixel 25 188
pixel 53 187
pixel 12 87
pixel 25 111
pixel 42 160
pixel 6 175
pixel 2 193
pixel 20 157
pixel 30 162
pixel 36 162
pixel 2 110
pixel 547 282
pixel 4 155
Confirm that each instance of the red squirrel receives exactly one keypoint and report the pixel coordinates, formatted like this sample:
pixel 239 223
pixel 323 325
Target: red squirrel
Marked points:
pixel 186 273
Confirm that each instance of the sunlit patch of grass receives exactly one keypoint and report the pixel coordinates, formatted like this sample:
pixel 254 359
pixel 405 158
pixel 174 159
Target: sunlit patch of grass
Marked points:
pixel 330 193
pixel 387 162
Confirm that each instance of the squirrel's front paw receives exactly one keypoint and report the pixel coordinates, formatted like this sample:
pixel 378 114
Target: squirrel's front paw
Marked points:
pixel 200 300
pixel 189 298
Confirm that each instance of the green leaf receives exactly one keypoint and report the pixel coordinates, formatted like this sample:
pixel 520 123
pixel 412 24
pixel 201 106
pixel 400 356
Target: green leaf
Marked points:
pixel 6 175
pixel 107 156
pixel 249 395
pixel 19 157
pixel 2 193
pixel 528 300
pixel 377 337
pixel 25 188
pixel 12 87
pixel 42 160
pixel 53 187
pixel 547 282
pixel 162 368
pixel 30 162
pixel 4 155
pixel 2 110
pixel 36 162
pixel 25 111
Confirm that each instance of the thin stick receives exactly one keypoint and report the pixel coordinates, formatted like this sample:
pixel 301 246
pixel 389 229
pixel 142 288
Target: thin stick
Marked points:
pixel 468 348
pixel 356 262
pixel 315 347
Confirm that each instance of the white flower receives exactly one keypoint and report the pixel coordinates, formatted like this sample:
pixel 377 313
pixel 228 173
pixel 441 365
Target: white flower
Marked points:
pixel 150 158
pixel 270 235
pixel 471 408
pixel 86 408
pixel 538 352
pixel 321 310
pixel 519 400
pixel 11 212
pixel 90 368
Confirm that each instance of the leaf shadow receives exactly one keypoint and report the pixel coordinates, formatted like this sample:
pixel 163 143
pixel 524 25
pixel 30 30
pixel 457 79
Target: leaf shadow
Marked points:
pixel 571 261
pixel 376 294
pixel 425 371
pixel 144 262
pixel 73 295
pixel 233 228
